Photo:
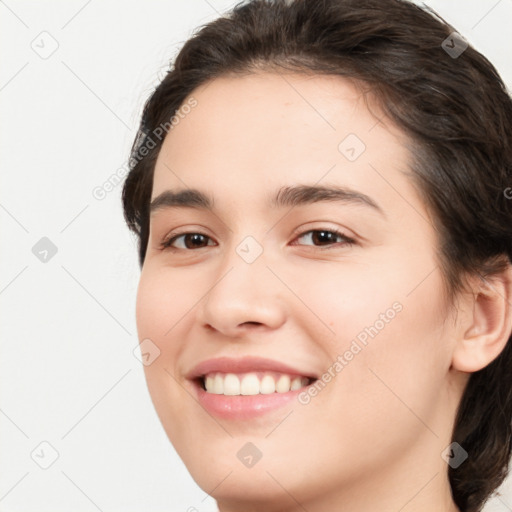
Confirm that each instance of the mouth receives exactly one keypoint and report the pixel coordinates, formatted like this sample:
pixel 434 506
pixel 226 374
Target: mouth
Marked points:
pixel 240 389
pixel 252 383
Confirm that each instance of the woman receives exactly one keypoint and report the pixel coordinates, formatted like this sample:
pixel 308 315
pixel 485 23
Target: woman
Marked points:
pixel 321 191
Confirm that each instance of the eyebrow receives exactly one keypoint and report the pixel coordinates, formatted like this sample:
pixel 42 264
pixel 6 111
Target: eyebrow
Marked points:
pixel 292 196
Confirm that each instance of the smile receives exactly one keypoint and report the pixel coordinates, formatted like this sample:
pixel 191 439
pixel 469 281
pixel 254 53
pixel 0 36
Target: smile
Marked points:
pixel 253 383
pixel 244 388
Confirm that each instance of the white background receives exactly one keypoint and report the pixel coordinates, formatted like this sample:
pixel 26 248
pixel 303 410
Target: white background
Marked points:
pixel 68 373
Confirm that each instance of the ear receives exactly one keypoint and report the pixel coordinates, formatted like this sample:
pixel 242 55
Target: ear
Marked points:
pixel 487 323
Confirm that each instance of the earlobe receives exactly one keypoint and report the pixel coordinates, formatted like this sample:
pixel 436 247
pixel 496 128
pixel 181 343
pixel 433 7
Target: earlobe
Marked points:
pixel 490 323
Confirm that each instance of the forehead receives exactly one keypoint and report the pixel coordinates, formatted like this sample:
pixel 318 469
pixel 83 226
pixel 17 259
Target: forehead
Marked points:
pixel 249 135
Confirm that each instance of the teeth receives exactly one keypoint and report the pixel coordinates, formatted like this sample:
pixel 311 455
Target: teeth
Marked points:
pixel 209 384
pixel 267 385
pixel 296 383
pixel 250 384
pixel 283 384
pixel 231 384
pixel 218 385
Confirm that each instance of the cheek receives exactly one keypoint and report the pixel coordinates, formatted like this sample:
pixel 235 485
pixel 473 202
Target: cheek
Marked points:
pixel 161 308
pixel 388 330
pixel 163 300
pixel 393 379
pixel 356 300
pixel 402 356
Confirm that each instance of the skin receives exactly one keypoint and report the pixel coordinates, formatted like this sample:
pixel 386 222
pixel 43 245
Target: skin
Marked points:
pixel 372 438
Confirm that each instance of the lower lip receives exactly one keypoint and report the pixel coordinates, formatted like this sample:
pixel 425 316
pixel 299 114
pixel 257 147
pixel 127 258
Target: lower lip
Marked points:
pixel 242 407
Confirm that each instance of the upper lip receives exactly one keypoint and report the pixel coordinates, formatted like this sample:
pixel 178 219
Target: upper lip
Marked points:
pixel 244 365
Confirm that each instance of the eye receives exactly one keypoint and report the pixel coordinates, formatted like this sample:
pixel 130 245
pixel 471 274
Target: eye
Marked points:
pixel 322 238
pixel 195 241
pixel 325 237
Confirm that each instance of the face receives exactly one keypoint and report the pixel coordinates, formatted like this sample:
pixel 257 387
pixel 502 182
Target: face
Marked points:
pixel 306 297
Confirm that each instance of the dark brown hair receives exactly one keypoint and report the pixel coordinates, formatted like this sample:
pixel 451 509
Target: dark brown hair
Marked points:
pixel 458 117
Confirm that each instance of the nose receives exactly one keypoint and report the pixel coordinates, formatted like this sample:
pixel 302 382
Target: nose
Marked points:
pixel 243 297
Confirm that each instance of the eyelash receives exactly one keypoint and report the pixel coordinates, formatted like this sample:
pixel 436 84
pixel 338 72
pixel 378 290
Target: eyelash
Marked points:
pixel 166 243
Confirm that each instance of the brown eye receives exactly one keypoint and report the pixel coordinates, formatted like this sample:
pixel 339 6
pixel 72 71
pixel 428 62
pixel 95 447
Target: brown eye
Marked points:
pixel 189 241
pixel 326 237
